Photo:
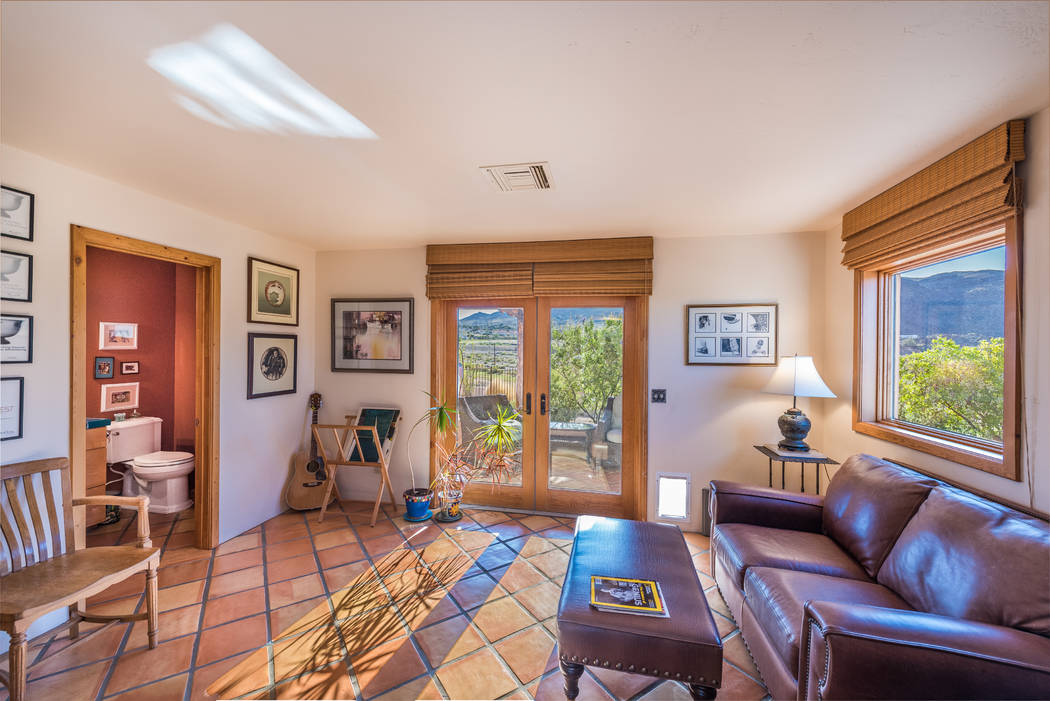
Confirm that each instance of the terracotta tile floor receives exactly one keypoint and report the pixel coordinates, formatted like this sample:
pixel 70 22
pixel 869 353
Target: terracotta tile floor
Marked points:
pixel 297 609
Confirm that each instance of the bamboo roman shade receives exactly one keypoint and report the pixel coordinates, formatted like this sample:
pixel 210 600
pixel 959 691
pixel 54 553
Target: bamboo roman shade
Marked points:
pixel 967 187
pixel 586 267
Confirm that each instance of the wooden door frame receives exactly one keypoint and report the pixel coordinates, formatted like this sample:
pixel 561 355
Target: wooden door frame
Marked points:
pixel 442 348
pixel 206 390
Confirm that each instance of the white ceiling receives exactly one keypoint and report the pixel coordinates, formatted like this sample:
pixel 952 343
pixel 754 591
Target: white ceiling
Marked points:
pixel 669 119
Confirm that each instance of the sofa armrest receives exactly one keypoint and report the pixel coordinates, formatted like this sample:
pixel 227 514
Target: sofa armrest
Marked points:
pixel 851 651
pixel 732 502
pixel 140 504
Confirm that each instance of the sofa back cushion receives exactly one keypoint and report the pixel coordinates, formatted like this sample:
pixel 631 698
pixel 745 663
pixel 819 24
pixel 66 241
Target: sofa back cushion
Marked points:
pixel 965 557
pixel 867 505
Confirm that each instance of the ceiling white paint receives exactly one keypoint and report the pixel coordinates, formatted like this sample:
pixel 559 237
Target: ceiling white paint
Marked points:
pixel 676 119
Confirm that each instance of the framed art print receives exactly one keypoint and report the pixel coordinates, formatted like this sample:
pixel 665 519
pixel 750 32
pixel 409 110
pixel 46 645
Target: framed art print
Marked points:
pixel 12 397
pixel 16 213
pixel 120 397
pixel 16 276
pixel 16 338
pixel 115 335
pixel 129 367
pixel 273 364
pixel 103 368
pixel 372 335
pixel 731 334
pixel 273 293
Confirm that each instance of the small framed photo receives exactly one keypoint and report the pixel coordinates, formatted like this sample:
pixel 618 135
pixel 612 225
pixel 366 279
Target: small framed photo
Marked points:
pixel 120 397
pixel 273 293
pixel 103 368
pixel 731 334
pixel 16 338
pixel 12 396
pixel 372 335
pixel 115 335
pixel 273 364
pixel 129 367
pixel 16 213
pixel 16 276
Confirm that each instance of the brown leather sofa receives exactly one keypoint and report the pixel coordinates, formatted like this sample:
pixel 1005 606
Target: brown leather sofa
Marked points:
pixel 893 585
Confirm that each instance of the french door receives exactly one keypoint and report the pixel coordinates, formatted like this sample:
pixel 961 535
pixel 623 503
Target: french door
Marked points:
pixel 573 368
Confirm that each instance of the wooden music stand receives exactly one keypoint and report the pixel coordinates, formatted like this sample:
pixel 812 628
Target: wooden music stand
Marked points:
pixel 355 444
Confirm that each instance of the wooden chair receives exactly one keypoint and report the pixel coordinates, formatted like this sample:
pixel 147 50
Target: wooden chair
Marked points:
pixel 354 444
pixel 41 572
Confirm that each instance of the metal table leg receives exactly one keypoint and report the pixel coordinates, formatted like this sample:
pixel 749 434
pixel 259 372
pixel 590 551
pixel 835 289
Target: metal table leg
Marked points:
pixel 802 471
pixel 771 472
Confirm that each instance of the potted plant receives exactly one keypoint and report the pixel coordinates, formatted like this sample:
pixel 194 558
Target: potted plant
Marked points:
pixel 489 453
pixel 418 499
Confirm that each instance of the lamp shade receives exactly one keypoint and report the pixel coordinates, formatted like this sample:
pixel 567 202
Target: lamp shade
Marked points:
pixel 796 376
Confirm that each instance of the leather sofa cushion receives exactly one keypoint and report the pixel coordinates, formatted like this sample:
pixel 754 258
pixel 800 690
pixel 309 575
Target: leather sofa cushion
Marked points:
pixel 777 599
pixel 965 557
pixel 867 505
pixel 739 546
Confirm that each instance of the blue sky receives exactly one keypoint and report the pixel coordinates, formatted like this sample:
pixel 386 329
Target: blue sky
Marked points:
pixel 992 259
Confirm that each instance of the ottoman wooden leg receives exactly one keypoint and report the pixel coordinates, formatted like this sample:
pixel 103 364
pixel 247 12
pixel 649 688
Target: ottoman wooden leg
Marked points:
pixel 572 673
pixel 700 692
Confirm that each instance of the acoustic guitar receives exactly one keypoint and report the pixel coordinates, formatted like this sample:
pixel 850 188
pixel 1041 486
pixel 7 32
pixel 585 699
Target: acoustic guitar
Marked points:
pixel 304 489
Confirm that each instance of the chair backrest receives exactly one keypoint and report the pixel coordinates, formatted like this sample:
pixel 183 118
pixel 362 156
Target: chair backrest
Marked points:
pixel 30 504
pixel 385 420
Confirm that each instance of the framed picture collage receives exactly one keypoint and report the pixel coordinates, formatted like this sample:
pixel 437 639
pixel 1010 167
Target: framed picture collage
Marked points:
pixel 731 334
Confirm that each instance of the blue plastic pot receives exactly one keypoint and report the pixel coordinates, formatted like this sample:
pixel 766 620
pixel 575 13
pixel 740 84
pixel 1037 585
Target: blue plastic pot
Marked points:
pixel 417 503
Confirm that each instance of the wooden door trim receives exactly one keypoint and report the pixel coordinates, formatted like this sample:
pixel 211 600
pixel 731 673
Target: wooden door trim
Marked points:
pixel 208 329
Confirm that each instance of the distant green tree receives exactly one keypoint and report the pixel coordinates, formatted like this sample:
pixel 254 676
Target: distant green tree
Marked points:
pixel 954 388
pixel 586 368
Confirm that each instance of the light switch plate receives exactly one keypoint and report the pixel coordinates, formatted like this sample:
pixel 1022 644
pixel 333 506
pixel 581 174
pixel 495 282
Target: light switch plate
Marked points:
pixel 659 396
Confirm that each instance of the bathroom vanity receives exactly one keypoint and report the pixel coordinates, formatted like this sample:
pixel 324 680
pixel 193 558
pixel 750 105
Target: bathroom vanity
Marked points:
pixel 95 477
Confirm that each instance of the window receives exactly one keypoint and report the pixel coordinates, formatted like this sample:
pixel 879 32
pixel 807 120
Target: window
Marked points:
pixel 672 496
pixel 936 364
pixel 936 351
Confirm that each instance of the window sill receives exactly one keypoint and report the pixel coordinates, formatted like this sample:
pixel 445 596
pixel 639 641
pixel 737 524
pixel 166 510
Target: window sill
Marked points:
pixel 984 460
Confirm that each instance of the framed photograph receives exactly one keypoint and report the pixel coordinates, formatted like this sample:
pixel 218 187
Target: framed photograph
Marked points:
pixel 129 367
pixel 103 368
pixel 116 335
pixel 120 397
pixel 12 395
pixel 16 338
pixel 16 276
pixel 273 293
pixel 16 213
pixel 372 335
pixel 731 334
pixel 273 364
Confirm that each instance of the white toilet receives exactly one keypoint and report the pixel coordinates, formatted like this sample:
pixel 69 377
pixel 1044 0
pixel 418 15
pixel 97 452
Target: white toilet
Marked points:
pixel 161 475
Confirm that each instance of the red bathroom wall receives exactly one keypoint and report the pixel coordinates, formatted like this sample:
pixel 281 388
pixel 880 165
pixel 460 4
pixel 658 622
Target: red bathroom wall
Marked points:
pixel 126 288
pixel 185 356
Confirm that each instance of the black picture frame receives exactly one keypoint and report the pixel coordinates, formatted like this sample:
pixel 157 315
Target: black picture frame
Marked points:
pixel 32 214
pixel 104 367
pixel 5 357
pixel 21 407
pixel 742 334
pixel 256 315
pixel 124 371
pixel 29 277
pixel 256 388
pixel 407 334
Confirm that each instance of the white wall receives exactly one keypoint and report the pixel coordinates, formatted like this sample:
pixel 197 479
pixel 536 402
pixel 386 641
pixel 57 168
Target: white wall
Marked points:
pixel 713 415
pixel 838 361
pixel 257 437
pixel 388 273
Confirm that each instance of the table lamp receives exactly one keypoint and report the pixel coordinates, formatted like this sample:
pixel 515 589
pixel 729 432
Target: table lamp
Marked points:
pixel 797 376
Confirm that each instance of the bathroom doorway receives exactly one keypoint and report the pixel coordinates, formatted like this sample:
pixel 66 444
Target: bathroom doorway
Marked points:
pixel 144 354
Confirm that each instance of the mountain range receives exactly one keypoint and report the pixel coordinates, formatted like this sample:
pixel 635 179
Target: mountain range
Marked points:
pixel 964 304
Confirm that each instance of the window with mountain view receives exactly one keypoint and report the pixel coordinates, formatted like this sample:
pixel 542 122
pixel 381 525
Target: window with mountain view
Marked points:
pixel 950 344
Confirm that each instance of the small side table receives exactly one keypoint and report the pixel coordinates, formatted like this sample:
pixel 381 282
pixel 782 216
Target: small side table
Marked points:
pixel 802 459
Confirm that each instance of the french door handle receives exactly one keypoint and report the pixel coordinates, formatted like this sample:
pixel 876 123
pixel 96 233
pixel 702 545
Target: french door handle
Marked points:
pixel 543 404
pixel 528 403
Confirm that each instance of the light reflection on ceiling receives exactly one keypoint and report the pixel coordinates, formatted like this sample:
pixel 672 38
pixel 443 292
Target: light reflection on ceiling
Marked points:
pixel 230 80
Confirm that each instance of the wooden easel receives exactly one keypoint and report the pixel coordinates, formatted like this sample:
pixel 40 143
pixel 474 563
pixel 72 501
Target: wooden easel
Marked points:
pixel 348 449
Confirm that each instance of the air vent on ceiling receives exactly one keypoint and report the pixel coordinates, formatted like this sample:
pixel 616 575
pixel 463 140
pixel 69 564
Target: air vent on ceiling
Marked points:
pixel 520 176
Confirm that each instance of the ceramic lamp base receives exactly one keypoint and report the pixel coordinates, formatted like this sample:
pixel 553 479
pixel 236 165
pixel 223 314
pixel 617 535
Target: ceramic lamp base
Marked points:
pixel 794 425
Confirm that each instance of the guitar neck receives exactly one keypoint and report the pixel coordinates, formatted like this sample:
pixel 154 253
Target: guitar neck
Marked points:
pixel 313 440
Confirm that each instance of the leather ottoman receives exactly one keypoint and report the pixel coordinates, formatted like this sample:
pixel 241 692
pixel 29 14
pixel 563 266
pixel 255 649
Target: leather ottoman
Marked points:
pixel 684 647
